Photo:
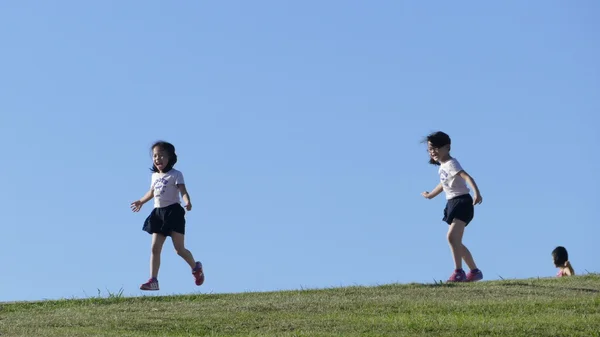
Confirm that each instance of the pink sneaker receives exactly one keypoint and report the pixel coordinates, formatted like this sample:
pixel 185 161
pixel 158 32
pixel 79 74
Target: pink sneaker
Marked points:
pixel 458 276
pixel 474 275
pixel 152 284
pixel 198 273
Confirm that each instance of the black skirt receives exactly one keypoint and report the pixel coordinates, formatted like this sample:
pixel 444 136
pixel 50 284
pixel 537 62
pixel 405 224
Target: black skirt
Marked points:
pixel 460 208
pixel 164 220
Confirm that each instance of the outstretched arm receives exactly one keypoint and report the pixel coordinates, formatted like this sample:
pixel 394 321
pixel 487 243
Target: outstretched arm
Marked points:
pixel 477 199
pixel 434 193
pixel 137 205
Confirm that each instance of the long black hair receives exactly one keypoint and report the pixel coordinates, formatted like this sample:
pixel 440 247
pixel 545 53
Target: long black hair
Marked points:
pixel 170 150
pixel 561 258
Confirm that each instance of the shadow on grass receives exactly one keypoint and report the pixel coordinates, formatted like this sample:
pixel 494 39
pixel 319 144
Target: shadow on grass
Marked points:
pixel 523 284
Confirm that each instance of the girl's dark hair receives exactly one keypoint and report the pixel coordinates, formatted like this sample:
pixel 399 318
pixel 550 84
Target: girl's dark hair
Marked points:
pixel 560 256
pixel 170 150
pixel 437 140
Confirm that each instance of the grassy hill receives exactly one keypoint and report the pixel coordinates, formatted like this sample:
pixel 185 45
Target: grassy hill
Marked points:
pixel 532 307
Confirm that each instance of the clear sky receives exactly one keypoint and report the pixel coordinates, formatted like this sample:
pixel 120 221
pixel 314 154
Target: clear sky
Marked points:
pixel 297 125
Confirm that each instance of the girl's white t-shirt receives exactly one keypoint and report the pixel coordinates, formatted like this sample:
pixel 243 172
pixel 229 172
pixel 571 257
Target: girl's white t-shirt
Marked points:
pixel 165 188
pixel 454 185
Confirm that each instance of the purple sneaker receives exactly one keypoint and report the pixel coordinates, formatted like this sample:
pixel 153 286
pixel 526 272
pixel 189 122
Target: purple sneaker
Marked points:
pixel 152 284
pixel 474 275
pixel 198 273
pixel 458 276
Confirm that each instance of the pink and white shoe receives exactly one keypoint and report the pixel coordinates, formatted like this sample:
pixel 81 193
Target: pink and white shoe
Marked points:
pixel 458 276
pixel 474 275
pixel 152 284
pixel 198 273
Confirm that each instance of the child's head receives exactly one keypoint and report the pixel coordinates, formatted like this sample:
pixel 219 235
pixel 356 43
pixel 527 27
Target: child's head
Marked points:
pixel 163 156
pixel 438 146
pixel 560 256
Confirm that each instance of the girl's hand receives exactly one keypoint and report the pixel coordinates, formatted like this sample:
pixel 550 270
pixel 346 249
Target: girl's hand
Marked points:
pixel 188 206
pixel 477 199
pixel 425 195
pixel 136 206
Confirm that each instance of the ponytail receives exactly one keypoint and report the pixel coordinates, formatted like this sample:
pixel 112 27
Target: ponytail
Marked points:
pixel 570 267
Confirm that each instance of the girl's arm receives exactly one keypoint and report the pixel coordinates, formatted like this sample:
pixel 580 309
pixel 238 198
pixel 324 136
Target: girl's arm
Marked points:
pixel 186 196
pixel 477 199
pixel 137 205
pixel 434 193
pixel 149 195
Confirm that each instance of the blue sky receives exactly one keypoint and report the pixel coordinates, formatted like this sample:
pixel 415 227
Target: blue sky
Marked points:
pixel 297 126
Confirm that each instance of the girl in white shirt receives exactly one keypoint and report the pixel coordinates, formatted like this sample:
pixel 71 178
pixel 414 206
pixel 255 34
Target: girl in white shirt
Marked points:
pixel 459 209
pixel 168 216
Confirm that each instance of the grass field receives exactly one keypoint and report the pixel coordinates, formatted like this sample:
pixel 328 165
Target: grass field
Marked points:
pixel 531 307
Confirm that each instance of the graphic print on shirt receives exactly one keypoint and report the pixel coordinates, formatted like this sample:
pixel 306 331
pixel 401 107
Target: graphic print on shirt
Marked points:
pixel 160 185
pixel 444 178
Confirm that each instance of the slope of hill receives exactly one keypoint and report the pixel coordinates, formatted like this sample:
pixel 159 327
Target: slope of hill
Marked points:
pixel 531 307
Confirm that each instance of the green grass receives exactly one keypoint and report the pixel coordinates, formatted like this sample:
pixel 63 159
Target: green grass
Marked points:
pixel 532 307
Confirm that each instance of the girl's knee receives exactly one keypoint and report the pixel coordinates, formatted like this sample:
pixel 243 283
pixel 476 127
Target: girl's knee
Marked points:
pixel 454 239
pixel 156 249
pixel 181 251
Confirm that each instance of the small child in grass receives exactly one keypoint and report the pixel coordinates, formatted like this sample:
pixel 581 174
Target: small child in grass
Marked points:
pixel 560 257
